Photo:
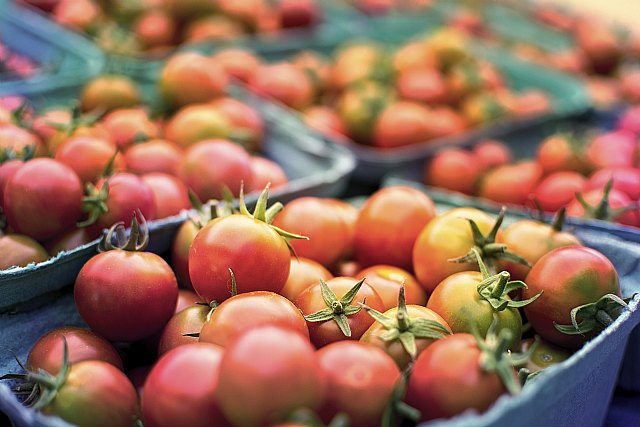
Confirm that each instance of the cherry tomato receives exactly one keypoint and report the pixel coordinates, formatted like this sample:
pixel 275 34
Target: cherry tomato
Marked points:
pixel 7 169
pixel 186 298
pixel 616 149
pixel 490 153
pixel 127 125
pixel 560 152
pixel 387 280
pixel 265 172
pixel 616 200
pixel 89 156
pixel 170 195
pixel 544 355
pixel 156 155
pixel 422 84
pixel 403 123
pixel 558 189
pixel 415 54
pixel 353 63
pixel 197 122
pixel 626 180
pixel 325 120
pixel 19 251
pixel 360 106
pixel 180 252
pixel 285 83
pixel 248 125
pixel 68 241
pixel 154 28
pixel 237 62
pixel 17 139
pixel 454 169
pixel 510 183
pixel 303 273
pixel 187 321
pixel 109 92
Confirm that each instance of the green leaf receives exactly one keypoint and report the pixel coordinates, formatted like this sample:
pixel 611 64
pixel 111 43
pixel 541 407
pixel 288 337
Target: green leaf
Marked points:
pixel 408 341
pixel 350 310
pixel 390 335
pixel 320 316
pixel 328 295
pixel 523 303
pixel 348 298
pixel 343 324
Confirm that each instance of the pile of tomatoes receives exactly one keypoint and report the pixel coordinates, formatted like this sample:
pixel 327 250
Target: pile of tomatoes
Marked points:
pixel 157 26
pixel 66 175
pixel 594 174
pixel 381 314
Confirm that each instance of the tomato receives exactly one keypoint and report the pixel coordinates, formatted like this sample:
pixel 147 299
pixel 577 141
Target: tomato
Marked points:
pixel 47 352
pixel 125 295
pixel 128 125
pixel 599 46
pixel 326 121
pixel 211 164
pixel 170 195
pixel 319 220
pixel 246 244
pixel 265 172
pixel 109 92
pixel 353 319
pixel 186 298
pixel 570 277
pixel 190 77
pixel 349 215
pixel 248 125
pixel 560 152
pixel 630 120
pixel 298 13
pixel 360 106
pixel 353 63
pixel 100 386
pixel 156 155
pixel 544 355
pixel 483 107
pixel 155 28
pixel 532 240
pixel 316 66
pixel 19 250
pixel 354 368
pixel 68 241
pixel 617 149
pixel 447 379
pixel 403 123
pixel 78 14
pixel 187 321
pixel 89 156
pixel 181 388
pixel 195 123
pixel 614 206
pixel 558 189
pixel 180 252
pixel 422 84
pixel 381 238
pixel 212 28
pixel 387 280
pixel 7 169
pixel 490 153
pixel 43 198
pixel 446 121
pixel 303 273
pixel 17 139
pixel 254 391
pixel 454 169
pixel 237 62
pixel 626 180
pixel 248 310
pixel 510 183
pixel 630 85
pixel 415 54
pixel 444 237
pixel 285 83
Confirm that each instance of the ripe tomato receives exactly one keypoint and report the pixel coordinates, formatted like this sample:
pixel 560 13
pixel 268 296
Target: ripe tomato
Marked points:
pixel 155 28
pixel 490 153
pixel 415 54
pixel 617 149
pixel 265 172
pixel 109 92
pixel 89 156
pixel 558 189
pixel 360 369
pixel 180 252
pixel 213 28
pixel 128 125
pixel 423 85
pixel 626 180
pixel 19 250
pixel 630 120
pixel 47 352
pixel 195 123
pixel 326 121
pixel 510 183
pixel 186 298
pixel 254 391
pixel 353 63
pixel 43 198
pixel 616 206
pixel 78 14
pixel 387 280
pixel 248 126
pixel 17 139
pixel 303 273
pixel 237 62
pixel 322 222
pixel 384 238
pixel 181 388
pixel 248 310
pixel 360 106
pixel 68 241
pixel 444 237
pixel 170 195
pixel 560 152
pixel 285 83
pixel 454 169
pixel 7 169
pixel 570 277
pixel 353 319
pixel 156 155
pixel 187 321
pixel 403 123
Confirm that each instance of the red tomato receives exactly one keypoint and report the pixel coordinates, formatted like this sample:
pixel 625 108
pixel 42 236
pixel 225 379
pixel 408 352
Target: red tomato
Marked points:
pixel 616 201
pixel 19 251
pixel 209 165
pixel 531 102
pixel 403 123
pixel 423 85
pixel 560 152
pixel 284 82
pixel 354 62
pixel 187 321
pixel 82 344
pixel 109 92
pixel 454 169
pixel 384 238
pixel 186 298
pixel 490 153
pixel 302 274
pixel 322 333
pixel 180 252
pixel 299 13
pixel 181 388
pixel 68 241
pixel 254 391
pixel 570 277
pixel 213 28
pixel 630 120
pixel 89 156
pixel 510 183
pixel 265 172
pixel 154 28
pixel 237 62
pixel 360 106
pixel 325 120
pixel 414 54
pixel 245 311
pixel 617 149
pixel 195 123
pixel 626 180
pixel 7 169
pixel 248 126
pixel 387 280
pixel 558 189
pixel 170 195
pixel 43 198
pixel 18 139
pixel 354 368
pixel 156 155
pixel 319 220
pixel 127 125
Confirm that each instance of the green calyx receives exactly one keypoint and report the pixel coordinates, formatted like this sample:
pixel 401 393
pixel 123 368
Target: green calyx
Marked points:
pixel 138 236
pixel 496 358
pixel 337 310
pixel 487 247
pixel 213 305
pixel 212 209
pixel 94 203
pixel 495 289
pixel 405 329
pixel 602 210
pixel 8 153
pixel 594 316
pixel 78 120
pixel 558 222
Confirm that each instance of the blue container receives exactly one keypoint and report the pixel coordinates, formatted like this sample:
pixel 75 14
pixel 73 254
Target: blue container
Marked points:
pixel 65 60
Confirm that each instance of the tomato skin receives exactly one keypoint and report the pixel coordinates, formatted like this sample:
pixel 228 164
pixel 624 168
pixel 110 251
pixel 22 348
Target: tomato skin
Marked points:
pixel 157 155
pixel 510 183
pixel 325 120
pixel 126 296
pixel 197 122
pixel 17 139
pixel 20 250
pixel 212 163
pixel 243 118
pixel 103 388
pixel 255 391
pixel 186 321
pixel 446 236
pixel 155 28
pixel 617 200
pixel 323 333
pixel 570 276
pixel 532 240
pixel 43 198
pixel 617 149
pixel 284 82
pixel 245 246
pixel 68 241
pixel 170 195
pixel 320 221
pixel 381 238
pixel 447 379
pixel 245 311
pixel 181 388
pixel 265 172
pixel 414 54
pixel 354 63
pixel 109 92
pixel 353 368
pixel 387 280
pixel 237 62
pixel 556 153
pixel 125 125
pixel 359 108
pixel 626 180
pixel 395 348
pixel 544 355
pixel 7 169
pixel 303 273
pixel 423 85
pixel 558 189
pixel 83 344
pixel 403 123
pixel 88 156
pixel 180 252
pixel 490 153
pixel 454 169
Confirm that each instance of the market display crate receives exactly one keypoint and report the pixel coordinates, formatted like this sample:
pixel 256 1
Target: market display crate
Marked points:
pixel 61 59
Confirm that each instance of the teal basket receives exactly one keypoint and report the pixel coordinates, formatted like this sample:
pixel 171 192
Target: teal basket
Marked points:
pixel 64 60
